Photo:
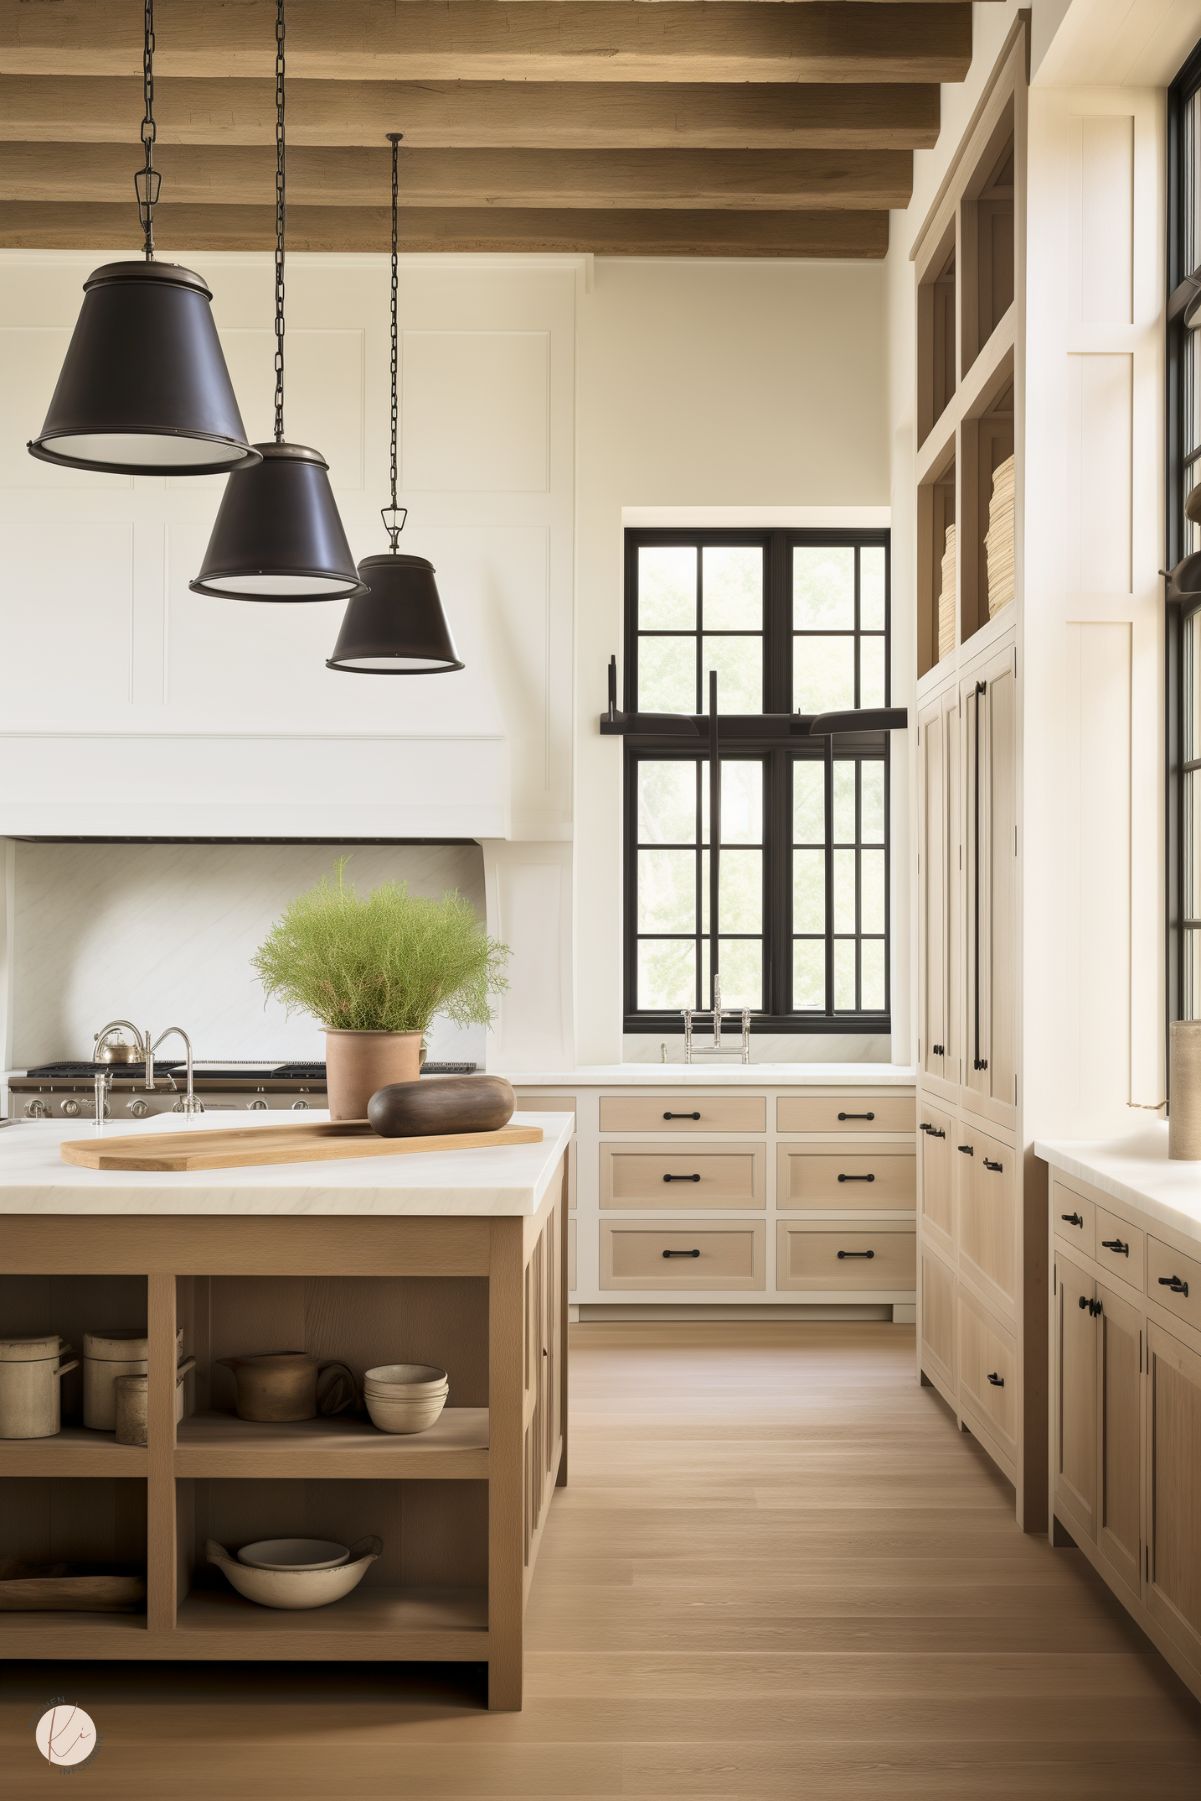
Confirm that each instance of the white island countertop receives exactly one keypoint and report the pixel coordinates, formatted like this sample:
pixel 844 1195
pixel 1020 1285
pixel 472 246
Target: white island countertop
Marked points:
pixel 1136 1170
pixel 715 1072
pixel 491 1182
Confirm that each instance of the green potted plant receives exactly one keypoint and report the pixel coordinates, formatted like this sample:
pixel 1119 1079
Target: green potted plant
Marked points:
pixel 374 969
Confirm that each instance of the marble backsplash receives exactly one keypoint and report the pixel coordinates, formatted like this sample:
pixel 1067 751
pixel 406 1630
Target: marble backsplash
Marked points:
pixel 163 934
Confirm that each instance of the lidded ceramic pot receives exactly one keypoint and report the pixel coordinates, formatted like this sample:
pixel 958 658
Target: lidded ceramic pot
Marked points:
pixel 30 1370
pixel 107 1355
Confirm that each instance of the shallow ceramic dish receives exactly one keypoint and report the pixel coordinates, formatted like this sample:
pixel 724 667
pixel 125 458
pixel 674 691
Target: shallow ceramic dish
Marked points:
pixel 295 1589
pixel 405 1416
pixel 406 1378
pixel 294 1554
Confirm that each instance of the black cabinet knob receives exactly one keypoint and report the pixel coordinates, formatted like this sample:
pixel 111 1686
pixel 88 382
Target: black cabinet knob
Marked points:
pixel 1084 1302
pixel 1175 1283
pixel 1072 1219
pixel 939 1050
pixel 991 1163
pixel 1116 1246
pixel 997 1380
pixel 968 1150
pixel 681 1253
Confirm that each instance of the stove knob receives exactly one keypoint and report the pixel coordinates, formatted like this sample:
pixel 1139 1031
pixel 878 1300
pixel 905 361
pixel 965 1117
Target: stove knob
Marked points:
pixel 71 1109
pixel 299 1106
pixel 36 1110
pixel 257 1106
pixel 139 1109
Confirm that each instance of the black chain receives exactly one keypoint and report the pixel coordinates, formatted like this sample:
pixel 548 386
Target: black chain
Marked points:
pixel 147 181
pixel 394 516
pixel 280 219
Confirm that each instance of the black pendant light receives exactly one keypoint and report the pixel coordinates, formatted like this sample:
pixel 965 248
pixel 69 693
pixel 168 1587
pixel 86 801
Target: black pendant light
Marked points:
pixel 277 534
pixel 144 389
pixel 396 625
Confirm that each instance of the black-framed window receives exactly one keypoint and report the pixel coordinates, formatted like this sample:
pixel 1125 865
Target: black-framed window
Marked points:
pixel 793 622
pixel 1183 688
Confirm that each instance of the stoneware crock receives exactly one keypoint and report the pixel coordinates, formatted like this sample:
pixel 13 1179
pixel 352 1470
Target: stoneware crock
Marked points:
pixel 359 1063
pixel 30 1372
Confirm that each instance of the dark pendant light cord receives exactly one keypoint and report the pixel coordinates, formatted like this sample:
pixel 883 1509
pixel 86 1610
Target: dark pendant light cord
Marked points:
pixel 392 515
pixel 147 181
pixel 281 210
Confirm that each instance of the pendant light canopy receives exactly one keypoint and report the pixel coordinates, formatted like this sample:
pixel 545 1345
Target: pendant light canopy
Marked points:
pixel 396 625
pixel 278 535
pixel 144 389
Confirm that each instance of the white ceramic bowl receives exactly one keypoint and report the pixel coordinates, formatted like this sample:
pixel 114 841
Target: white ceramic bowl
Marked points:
pixel 406 1378
pixel 294 1554
pixel 417 1415
pixel 295 1589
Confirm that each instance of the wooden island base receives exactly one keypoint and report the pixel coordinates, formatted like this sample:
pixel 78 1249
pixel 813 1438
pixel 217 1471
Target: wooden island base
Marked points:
pixel 460 1509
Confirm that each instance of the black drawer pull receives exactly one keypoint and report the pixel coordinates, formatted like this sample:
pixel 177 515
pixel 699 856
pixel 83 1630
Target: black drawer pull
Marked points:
pixel 969 1150
pixel 932 1131
pixel 856 1178
pixel 996 1378
pixel 1115 1245
pixel 681 1253
pixel 1174 1283
pixel 938 1049
pixel 856 1116
pixel 979 1063
pixel 681 1116
pixel 681 1178
pixel 1072 1219
pixel 843 1254
pixel 990 1163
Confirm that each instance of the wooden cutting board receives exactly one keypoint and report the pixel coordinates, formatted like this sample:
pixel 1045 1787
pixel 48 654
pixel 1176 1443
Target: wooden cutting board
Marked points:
pixel 239 1147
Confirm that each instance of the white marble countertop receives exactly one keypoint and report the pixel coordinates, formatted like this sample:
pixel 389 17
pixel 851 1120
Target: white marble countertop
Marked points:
pixel 711 1072
pixel 505 1181
pixel 1136 1170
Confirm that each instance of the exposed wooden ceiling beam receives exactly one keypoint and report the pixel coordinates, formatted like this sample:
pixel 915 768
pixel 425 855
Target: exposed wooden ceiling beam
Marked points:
pixel 34 225
pixel 464 115
pixel 490 40
pixel 693 180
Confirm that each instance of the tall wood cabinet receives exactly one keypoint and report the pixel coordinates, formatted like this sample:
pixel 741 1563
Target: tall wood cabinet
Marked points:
pixel 982 1245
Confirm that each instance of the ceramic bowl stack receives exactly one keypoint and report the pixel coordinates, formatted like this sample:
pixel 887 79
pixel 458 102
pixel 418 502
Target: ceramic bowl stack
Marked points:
pixel 295 1573
pixel 405 1397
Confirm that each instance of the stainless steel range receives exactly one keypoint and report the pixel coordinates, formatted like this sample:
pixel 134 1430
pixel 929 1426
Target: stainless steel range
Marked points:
pixel 67 1090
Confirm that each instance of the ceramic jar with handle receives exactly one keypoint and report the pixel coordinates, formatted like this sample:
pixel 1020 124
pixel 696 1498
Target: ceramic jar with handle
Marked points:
pixel 279 1387
pixel 107 1355
pixel 132 1404
pixel 31 1370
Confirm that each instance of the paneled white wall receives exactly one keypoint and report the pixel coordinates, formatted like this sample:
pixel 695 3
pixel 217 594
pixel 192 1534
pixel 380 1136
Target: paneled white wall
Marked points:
pixel 101 637
pixel 1094 609
pixel 163 934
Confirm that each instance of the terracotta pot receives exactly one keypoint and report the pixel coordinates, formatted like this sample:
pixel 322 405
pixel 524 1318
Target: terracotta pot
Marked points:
pixel 357 1063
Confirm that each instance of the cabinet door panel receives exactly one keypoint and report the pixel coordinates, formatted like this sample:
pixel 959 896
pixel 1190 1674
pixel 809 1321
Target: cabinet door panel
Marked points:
pixel 1172 1591
pixel 990 720
pixel 932 888
pixel 1119 1430
pixel 937 1328
pixel 936 1147
pixel 1074 1448
pixel 988 1222
pixel 988 1377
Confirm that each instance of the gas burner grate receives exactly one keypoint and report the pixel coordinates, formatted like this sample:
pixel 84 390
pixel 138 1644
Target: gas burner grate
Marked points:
pixel 79 1072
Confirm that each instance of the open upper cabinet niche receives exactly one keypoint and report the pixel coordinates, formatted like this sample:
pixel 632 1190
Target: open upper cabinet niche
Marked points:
pixel 986 232
pixel 936 308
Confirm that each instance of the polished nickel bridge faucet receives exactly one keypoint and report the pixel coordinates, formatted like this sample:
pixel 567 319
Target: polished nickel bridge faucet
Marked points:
pixel 718 1015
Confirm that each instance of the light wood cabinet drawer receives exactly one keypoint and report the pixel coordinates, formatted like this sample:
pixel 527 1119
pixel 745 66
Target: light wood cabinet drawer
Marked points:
pixel 647 1177
pixel 1174 1281
pixel 835 1114
pixel 712 1255
pixel 936 1143
pixel 880 1179
pixel 670 1113
pixel 988 1373
pixel 1120 1248
pixel 1074 1218
pixel 987 1214
pixel 849 1258
pixel 938 1322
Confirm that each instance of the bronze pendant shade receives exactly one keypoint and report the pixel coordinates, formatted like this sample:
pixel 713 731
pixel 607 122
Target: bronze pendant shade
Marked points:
pixel 144 389
pixel 278 534
pixel 396 625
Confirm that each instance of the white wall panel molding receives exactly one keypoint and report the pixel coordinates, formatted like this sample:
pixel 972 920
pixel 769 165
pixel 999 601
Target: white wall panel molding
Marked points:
pixel 528 889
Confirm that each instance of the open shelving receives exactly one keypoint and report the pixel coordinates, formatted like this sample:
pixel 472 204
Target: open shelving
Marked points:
pixel 970 370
